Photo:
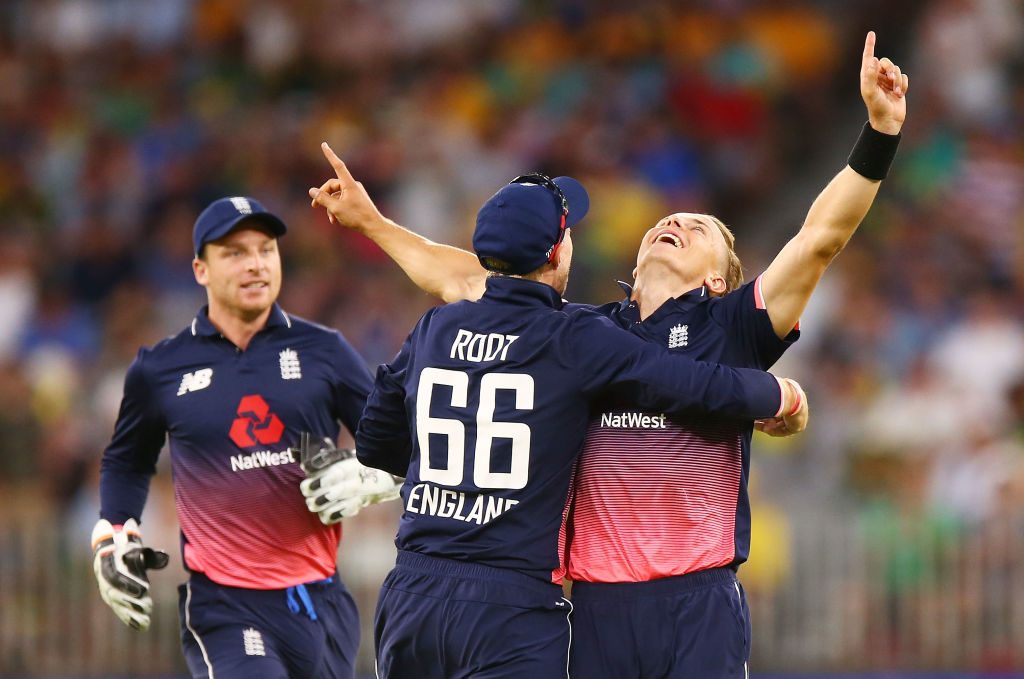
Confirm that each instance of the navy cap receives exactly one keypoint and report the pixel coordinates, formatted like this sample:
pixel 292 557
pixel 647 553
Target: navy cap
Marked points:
pixel 519 225
pixel 224 214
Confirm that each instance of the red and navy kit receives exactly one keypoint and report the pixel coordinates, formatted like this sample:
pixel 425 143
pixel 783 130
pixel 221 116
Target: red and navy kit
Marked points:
pixel 693 519
pixel 229 417
pixel 697 515
pixel 484 411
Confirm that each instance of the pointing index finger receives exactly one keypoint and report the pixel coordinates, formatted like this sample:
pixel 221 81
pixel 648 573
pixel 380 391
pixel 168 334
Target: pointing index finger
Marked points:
pixel 869 45
pixel 336 163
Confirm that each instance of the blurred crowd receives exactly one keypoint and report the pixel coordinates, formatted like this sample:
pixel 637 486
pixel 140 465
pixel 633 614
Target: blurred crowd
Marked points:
pixel 120 120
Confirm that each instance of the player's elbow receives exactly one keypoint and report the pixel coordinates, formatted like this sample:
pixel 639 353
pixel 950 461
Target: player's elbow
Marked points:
pixel 821 246
pixel 826 252
pixel 452 292
pixel 460 289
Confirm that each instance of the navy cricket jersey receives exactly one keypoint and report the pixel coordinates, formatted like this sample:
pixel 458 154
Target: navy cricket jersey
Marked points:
pixel 484 411
pixel 230 417
pixel 696 515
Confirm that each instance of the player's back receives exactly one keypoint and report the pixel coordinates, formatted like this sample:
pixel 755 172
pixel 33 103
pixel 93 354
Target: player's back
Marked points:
pixel 484 411
pixel 497 415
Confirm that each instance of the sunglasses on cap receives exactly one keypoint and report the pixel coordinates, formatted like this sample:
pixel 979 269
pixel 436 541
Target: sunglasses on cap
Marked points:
pixel 545 181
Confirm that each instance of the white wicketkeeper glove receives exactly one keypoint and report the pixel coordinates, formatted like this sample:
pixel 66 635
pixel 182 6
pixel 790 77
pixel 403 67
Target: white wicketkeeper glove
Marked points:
pixel 337 485
pixel 120 563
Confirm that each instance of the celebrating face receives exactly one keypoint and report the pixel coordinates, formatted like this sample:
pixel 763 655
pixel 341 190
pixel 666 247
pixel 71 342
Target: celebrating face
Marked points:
pixel 689 247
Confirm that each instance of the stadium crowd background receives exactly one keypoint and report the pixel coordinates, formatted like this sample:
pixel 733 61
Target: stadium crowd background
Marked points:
pixel 120 120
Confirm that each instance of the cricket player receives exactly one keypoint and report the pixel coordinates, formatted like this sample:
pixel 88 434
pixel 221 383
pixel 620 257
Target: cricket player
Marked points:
pixel 484 411
pixel 654 563
pixel 672 606
pixel 232 392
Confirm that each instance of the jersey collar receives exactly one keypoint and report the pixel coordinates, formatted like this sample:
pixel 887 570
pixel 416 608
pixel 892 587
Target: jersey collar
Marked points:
pixel 630 312
pixel 202 327
pixel 522 292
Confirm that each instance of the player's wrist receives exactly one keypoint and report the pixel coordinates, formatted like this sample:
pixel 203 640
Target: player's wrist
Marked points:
pixel 795 421
pixel 373 224
pixel 874 152
pixel 785 396
pixel 888 126
pixel 793 398
pixel 798 400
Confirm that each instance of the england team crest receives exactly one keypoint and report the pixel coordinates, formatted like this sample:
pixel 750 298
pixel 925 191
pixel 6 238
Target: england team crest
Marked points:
pixel 291 369
pixel 678 336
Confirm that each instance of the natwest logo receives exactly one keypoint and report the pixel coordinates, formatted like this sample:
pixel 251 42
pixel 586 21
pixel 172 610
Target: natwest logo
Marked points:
pixel 255 424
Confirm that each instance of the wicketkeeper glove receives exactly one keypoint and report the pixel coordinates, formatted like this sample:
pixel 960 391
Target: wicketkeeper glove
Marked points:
pixel 120 563
pixel 337 485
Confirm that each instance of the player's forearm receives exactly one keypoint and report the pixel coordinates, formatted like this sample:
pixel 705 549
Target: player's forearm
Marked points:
pixel 378 446
pixel 658 380
pixel 836 213
pixel 123 493
pixel 834 217
pixel 441 270
pixel 737 392
pixel 383 437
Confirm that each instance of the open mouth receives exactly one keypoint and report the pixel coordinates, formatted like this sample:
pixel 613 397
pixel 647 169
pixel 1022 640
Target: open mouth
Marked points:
pixel 256 285
pixel 667 236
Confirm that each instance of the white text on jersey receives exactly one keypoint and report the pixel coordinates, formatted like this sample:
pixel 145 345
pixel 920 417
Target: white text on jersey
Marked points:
pixel 471 346
pixel 633 421
pixel 195 381
pixel 425 498
pixel 261 458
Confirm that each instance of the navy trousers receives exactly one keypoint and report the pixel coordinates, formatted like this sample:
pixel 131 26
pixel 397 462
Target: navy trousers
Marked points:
pixel 693 626
pixel 233 633
pixel 446 619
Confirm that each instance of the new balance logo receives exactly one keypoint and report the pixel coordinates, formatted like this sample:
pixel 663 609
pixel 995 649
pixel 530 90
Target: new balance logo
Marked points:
pixel 290 368
pixel 242 205
pixel 678 336
pixel 195 381
pixel 253 642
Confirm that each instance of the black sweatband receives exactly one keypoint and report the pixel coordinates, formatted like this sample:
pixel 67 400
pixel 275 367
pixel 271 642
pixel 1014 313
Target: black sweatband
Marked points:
pixel 873 153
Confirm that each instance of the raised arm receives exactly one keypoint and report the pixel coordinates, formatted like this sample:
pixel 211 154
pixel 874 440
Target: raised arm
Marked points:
pixel 788 282
pixel 441 270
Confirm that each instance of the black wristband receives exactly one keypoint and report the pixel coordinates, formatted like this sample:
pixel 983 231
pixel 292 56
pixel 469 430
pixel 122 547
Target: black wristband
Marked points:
pixel 873 153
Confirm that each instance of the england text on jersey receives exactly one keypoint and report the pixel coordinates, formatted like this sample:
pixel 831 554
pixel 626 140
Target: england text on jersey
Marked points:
pixel 478 508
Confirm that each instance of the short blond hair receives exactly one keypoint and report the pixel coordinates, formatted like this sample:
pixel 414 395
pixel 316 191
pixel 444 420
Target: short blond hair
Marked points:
pixel 733 269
